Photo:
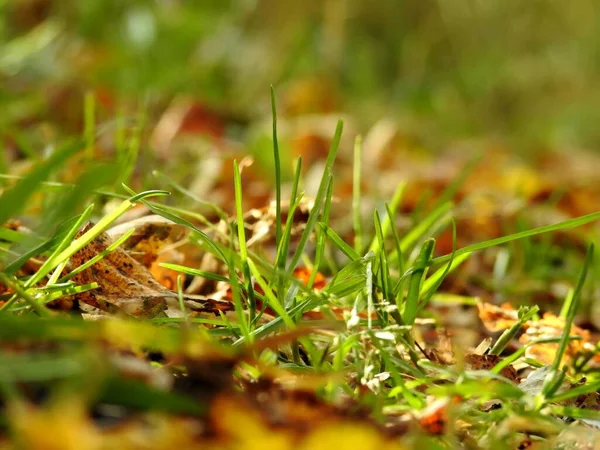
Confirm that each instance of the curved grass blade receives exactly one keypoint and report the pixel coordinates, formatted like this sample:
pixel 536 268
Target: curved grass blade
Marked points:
pixel 564 225
pixel 89 236
pixel 112 247
pixel 195 272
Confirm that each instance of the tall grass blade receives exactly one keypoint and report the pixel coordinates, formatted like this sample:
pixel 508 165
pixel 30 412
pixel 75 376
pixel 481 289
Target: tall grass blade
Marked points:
pixel 277 161
pixel 321 242
pixel 284 244
pixel 356 195
pixel 315 212
pixel 574 303
pixel 388 222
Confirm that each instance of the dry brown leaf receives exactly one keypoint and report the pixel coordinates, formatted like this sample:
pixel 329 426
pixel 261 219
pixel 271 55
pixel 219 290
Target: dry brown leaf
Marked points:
pixel 551 326
pixel 497 318
pixel 153 235
pixel 260 222
pixel 434 418
pixel 304 274
pixel 488 362
pixel 125 285
pixel 155 240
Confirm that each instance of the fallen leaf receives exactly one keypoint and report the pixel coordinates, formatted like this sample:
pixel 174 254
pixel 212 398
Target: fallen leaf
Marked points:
pixel 551 326
pixel 488 362
pixel 434 418
pixel 155 240
pixel 260 222
pixel 497 318
pixel 152 236
pixel 533 384
pixel 304 274
pixel 125 285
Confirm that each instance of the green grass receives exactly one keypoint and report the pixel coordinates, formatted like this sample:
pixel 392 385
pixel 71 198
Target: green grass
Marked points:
pixel 382 283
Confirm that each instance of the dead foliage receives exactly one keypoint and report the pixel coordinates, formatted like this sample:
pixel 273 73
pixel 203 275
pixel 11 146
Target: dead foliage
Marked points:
pixel 126 286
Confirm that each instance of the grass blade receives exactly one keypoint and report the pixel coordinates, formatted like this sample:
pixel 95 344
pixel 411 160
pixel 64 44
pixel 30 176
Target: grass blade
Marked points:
pixel 284 244
pixel 340 243
pixel 417 232
pixel 389 219
pixel 89 263
pixel 241 232
pixel 414 285
pixel 525 314
pixel 89 236
pixel 356 200
pixel 277 161
pixel 195 272
pixel 574 303
pixel 314 213
pixel 320 246
pixel 564 225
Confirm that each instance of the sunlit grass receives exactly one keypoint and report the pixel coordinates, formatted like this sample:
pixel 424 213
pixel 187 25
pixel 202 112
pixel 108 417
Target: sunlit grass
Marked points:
pixel 374 296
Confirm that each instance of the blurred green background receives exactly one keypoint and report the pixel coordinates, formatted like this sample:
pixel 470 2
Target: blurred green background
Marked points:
pixel 525 71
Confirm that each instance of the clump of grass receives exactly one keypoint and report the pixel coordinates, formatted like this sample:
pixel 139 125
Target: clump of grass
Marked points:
pixel 381 290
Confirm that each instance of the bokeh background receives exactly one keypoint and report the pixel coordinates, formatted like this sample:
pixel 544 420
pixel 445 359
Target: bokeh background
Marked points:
pixel 523 72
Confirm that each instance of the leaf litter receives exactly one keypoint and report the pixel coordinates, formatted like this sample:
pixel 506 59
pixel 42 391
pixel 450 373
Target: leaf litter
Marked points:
pixel 358 395
pixel 126 286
